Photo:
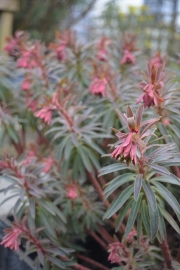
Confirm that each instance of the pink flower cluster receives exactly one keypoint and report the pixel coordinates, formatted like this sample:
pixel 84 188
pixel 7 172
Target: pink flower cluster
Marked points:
pixel 13 43
pixel 157 60
pixel 128 47
pixel 152 86
pixel 26 85
pixel 131 235
pixel 72 191
pixel 27 60
pixel 128 58
pixel 48 163
pixel 102 53
pixel 98 86
pixel 131 146
pixel 114 256
pixel 63 40
pixel 45 113
pixel 11 238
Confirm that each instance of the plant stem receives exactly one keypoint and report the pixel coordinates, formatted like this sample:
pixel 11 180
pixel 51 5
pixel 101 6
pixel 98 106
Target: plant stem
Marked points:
pixel 98 239
pixel 107 237
pixel 98 188
pixel 99 265
pixel 176 171
pixel 166 254
pixel 78 266
pixel 103 183
pixel 18 147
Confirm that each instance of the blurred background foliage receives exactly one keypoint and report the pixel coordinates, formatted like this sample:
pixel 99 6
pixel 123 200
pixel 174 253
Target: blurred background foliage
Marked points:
pixel 43 17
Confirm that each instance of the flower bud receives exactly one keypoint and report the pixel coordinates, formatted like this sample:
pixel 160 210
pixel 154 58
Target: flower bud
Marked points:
pixel 131 123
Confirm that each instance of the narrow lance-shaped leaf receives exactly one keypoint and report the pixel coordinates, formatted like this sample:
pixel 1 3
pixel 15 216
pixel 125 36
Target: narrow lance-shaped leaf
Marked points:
pixel 137 186
pixel 129 112
pixel 149 194
pixel 122 214
pixel 151 123
pixel 169 218
pixel 139 228
pixel 32 207
pixel 145 218
pixel 159 168
pixel 139 114
pixel 162 226
pixel 117 182
pixel 154 222
pixel 122 116
pixel 112 168
pixel 167 195
pixel 118 202
pixel 133 215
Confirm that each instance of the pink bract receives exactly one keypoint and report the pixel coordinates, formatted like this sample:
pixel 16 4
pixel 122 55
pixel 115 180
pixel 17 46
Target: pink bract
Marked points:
pixel 26 60
pixel 10 240
pixel 114 256
pixel 72 192
pixel 98 86
pixel 128 58
pixel 45 114
pixel 25 85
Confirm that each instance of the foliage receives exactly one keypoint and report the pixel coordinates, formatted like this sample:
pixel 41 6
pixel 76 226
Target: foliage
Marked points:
pixel 58 104
pixel 36 16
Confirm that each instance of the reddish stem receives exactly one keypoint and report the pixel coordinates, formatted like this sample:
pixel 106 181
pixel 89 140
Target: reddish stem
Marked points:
pixel 99 265
pixel 166 254
pixel 98 239
pixel 24 137
pixel 78 266
pixel 18 147
pixel 98 188
pixel 107 237
pixel 176 171
pixel 100 193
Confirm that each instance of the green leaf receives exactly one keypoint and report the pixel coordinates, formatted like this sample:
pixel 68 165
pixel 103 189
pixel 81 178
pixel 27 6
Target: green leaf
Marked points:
pixel 112 168
pixel 45 222
pixel 159 168
pixel 92 157
pixel 117 182
pixel 167 195
pixel 12 134
pixel 94 146
pixel 61 147
pixel 8 198
pixel 139 229
pixel 162 226
pixel 31 223
pixel 166 179
pixel 149 194
pixel 164 132
pixel 32 207
pixel 133 215
pixel 68 149
pixel 122 214
pixel 85 159
pixel 145 218
pixel 169 218
pixel 137 186
pixel 47 205
pixel 118 202
pixel 154 222
pixel 56 262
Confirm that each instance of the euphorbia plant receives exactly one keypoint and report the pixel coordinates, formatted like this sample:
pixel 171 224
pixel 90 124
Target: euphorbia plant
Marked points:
pixel 57 110
pixel 146 160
